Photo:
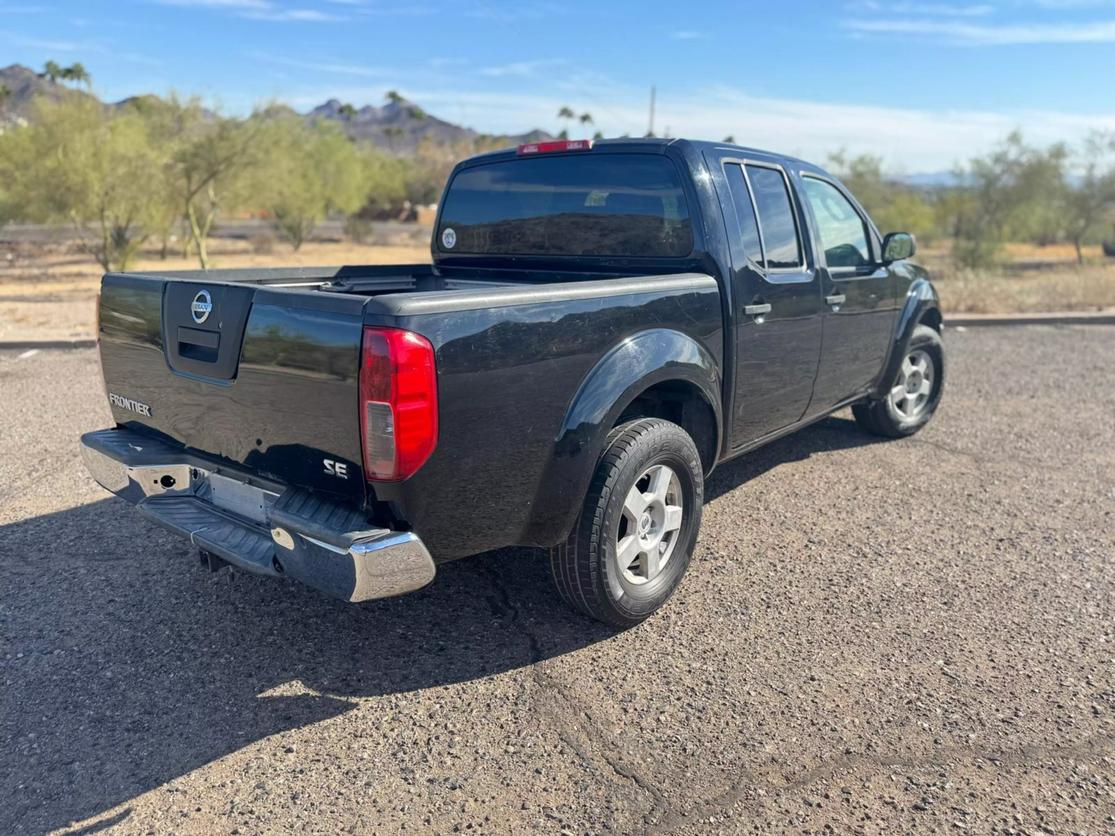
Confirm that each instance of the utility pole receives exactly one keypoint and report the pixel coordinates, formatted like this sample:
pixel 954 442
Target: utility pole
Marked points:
pixel 650 130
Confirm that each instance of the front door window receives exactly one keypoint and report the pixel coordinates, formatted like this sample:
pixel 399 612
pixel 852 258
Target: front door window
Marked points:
pixel 843 233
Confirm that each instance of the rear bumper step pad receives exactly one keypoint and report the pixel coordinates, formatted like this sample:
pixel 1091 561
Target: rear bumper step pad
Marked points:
pixel 210 530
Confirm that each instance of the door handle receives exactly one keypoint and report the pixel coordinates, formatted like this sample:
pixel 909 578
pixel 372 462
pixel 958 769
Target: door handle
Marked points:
pixel 835 299
pixel 756 310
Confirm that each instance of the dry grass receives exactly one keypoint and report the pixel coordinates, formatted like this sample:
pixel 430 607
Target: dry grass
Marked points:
pixel 1087 288
pixel 1032 279
pixel 48 291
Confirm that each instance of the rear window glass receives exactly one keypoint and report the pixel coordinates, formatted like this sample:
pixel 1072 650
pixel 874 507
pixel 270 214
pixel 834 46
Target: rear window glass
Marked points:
pixel 584 204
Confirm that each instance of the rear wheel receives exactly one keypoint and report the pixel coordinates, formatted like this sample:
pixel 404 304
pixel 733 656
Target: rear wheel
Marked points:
pixel 914 393
pixel 632 542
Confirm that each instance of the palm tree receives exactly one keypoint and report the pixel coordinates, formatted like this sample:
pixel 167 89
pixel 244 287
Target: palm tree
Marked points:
pixel 52 71
pixel 566 114
pixel 585 119
pixel 76 73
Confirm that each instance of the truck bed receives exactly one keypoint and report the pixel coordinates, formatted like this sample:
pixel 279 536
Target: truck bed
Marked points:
pixel 268 381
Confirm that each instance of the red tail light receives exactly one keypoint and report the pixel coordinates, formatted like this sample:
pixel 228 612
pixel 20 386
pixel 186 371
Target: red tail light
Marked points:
pixel 554 146
pixel 398 403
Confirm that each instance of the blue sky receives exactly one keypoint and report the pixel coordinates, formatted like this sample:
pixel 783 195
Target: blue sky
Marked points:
pixel 923 84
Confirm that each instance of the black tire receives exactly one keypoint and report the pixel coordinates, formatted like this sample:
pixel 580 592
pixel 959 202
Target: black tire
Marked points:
pixel 882 417
pixel 585 567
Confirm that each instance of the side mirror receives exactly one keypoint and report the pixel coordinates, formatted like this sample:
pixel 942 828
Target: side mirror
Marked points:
pixel 897 246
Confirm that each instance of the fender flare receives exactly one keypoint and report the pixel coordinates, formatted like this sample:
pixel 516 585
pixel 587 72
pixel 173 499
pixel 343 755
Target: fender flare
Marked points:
pixel 627 370
pixel 920 297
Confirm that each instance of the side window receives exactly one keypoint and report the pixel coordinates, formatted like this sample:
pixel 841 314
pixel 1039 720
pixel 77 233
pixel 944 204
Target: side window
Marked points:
pixel 776 218
pixel 745 211
pixel 842 230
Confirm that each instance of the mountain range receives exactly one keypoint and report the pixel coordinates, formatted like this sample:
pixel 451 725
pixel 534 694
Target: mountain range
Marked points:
pixel 399 126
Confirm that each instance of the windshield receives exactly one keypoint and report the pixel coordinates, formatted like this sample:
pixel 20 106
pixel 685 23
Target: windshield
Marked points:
pixel 582 204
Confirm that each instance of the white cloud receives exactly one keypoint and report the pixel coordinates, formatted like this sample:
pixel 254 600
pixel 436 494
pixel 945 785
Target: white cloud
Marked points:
pixel 259 10
pixel 508 12
pixel 236 5
pixel 293 15
pixel 908 140
pixel 56 45
pixel 519 69
pixel 79 48
pixel 969 34
pixel 930 9
pixel 357 70
pixel 1073 4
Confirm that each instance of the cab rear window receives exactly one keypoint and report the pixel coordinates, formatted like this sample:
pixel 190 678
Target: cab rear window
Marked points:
pixel 574 204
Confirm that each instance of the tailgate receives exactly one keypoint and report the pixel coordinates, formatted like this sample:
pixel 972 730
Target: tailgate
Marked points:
pixel 263 377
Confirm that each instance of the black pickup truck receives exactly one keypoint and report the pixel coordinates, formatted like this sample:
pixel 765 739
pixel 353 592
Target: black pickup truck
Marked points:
pixel 601 325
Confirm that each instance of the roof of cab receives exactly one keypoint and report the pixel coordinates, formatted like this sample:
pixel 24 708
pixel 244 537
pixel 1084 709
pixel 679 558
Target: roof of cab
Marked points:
pixel 662 143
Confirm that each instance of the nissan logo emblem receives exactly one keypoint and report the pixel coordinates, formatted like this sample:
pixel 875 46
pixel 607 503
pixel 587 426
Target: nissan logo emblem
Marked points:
pixel 201 306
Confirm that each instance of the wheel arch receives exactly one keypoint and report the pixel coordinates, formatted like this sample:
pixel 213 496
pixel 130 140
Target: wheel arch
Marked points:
pixel 932 318
pixel 683 403
pixel 921 306
pixel 655 373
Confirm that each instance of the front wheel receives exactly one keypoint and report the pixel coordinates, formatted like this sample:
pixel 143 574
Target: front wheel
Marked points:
pixel 915 392
pixel 632 542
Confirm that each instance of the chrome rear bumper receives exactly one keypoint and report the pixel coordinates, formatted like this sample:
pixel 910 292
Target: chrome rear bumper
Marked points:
pixel 255 525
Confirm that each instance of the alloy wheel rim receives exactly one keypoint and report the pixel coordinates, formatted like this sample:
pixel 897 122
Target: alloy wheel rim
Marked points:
pixel 650 525
pixel 909 396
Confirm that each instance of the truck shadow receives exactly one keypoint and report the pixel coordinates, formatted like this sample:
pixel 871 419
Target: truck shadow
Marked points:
pixel 827 435
pixel 126 665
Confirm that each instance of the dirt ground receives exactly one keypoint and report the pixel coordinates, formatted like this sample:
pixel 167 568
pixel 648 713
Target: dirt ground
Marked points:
pixel 910 636
pixel 1033 280
pixel 49 292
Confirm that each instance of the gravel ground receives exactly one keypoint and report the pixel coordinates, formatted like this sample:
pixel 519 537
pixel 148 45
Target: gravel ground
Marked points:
pixel 888 636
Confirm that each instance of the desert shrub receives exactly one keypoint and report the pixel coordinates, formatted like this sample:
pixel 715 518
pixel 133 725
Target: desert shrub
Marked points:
pixel 262 243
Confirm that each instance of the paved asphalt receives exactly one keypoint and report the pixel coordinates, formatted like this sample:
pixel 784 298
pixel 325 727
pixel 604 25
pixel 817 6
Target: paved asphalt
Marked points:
pixel 889 636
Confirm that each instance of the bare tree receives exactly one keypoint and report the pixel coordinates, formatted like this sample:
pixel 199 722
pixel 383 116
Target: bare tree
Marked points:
pixel 205 159
pixel 1092 198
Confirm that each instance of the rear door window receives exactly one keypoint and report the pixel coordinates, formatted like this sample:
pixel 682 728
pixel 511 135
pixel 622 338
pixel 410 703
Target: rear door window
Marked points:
pixel 777 223
pixel 745 212
pixel 571 204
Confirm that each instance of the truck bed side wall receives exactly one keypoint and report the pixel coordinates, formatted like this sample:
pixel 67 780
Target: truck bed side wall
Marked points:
pixel 508 377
